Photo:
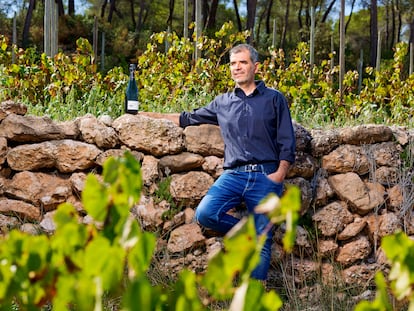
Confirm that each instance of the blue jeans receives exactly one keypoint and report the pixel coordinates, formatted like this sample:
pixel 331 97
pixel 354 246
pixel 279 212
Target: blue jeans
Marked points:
pixel 228 191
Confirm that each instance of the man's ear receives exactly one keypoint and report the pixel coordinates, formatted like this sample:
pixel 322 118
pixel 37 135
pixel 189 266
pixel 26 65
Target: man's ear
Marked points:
pixel 256 67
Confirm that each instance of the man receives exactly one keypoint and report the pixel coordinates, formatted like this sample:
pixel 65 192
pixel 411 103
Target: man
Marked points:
pixel 259 140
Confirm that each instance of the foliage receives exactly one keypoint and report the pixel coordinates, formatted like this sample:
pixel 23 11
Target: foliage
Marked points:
pixel 169 80
pixel 80 265
pixel 62 87
pixel 173 82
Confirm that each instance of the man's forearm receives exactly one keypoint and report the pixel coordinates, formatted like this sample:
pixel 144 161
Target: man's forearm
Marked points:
pixel 283 168
pixel 174 117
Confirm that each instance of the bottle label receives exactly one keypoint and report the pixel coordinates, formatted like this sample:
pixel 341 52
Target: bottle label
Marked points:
pixel 133 105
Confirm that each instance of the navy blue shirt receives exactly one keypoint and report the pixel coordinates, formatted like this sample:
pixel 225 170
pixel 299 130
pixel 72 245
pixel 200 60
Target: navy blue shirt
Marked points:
pixel 255 128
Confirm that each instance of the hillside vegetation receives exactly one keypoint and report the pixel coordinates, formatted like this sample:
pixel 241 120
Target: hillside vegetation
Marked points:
pixel 169 79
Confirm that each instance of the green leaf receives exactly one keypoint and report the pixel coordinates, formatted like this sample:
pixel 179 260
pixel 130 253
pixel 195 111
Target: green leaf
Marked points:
pixel 240 256
pixel 95 198
pixel 102 260
pixel 186 293
pixel 140 255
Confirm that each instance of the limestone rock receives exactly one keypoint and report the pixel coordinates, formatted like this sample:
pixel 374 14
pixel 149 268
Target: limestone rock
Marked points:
pixel 346 158
pixel 395 197
pixel 77 181
pixel 204 139
pixel 303 137
pixel 95 132
pixel 386 154
pixel 213 165
pixel 27 129
pixel 352 229
pixel 365 134
pixel 149 214
pixel 360 275
pixel 65 155
pixel 8 223
pixel 69 129
pixel 23 210
pixel 351 189
pixel 324 141
pixel 327 248
pixel 185 161
pixel 190 188
pixel 40 189
pixel 389 224
pixel 156 137
pixel 332 218
pixel 388 176
pixel 150 170
pixel 305 166
pixel 400 134
pixel 353 251
pixel 102 157
pixel 3 149
pixel 185 237
pixel 304 270
pixel 11 107
pixel 48 224
pixel 324 191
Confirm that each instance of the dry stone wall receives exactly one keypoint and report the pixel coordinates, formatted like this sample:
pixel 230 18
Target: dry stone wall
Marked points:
pixel 354 187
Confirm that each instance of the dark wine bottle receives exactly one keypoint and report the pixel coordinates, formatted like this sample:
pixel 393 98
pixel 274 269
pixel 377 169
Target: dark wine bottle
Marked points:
pixel 131 98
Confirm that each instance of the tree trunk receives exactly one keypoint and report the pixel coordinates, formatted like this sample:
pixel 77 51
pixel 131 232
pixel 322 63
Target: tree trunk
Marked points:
pixel 205 9
pixel 103 8
pixel 61 9
pixel 27 21
pixel 268 16
pixel 71 7
pixel 329 9
pixel 394 26
pixel 285 26
pixel 373 32
pixel 350 15
pixel 132 9
pixel 300 23
pixel 170 14
pixel 399 21
pixel 111 10
pixel 236 9
pixel 251 14
pixel 211 20
pixel 142 8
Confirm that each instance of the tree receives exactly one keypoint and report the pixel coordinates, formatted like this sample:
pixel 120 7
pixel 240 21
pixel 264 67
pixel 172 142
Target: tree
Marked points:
pixel 236 9
pixel 211 19
pixel 27 21
pixel 71 7
pixel 285 25
pixel 373 32
pixel 251 15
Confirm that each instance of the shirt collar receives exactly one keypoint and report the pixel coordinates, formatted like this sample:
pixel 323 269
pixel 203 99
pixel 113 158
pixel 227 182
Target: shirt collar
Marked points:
pixel 260 87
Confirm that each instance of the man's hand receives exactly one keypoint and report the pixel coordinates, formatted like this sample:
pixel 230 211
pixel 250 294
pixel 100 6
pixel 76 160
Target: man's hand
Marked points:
pixel 174 117
pixel 280 175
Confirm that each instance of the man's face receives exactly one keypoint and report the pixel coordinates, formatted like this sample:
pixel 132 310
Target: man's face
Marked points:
pixel 242 68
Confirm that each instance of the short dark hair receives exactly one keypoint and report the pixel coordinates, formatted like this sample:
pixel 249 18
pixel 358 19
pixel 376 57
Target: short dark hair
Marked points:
pixel 254 55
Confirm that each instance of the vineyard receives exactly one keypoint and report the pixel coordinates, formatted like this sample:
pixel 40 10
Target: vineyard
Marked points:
pixel 81 266
pixel 67 86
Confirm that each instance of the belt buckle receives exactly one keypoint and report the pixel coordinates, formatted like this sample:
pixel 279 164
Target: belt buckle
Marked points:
pixel 251 167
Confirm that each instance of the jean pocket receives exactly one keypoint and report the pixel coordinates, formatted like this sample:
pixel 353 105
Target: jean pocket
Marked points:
pixel 272 181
